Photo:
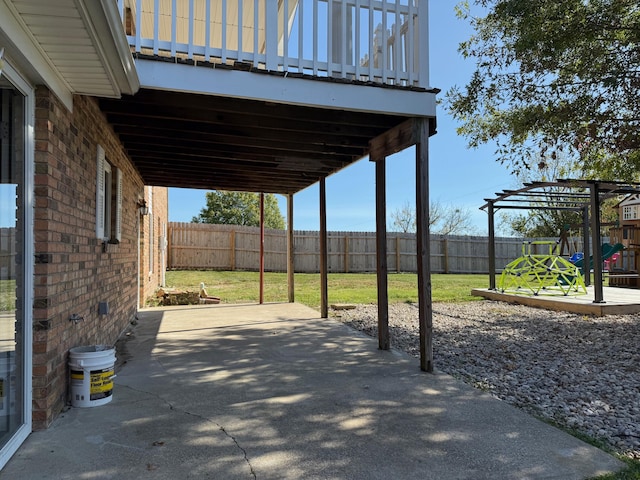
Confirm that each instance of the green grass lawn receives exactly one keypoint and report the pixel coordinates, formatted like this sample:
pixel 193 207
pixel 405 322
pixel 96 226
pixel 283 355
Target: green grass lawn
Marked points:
pixel 239 287
pixel 7 295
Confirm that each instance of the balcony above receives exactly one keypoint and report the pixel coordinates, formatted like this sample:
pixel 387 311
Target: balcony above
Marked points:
pixel 363 55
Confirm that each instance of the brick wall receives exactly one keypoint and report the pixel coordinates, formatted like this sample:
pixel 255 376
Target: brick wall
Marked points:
pixel 74 271
pixel 153 252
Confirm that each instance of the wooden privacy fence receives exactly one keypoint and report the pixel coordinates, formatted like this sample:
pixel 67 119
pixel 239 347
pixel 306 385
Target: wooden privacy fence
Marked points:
pixel 7 253
pixel 196 246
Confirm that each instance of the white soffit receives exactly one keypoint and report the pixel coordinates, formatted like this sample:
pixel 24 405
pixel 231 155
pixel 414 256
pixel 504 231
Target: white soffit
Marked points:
pixel 80 43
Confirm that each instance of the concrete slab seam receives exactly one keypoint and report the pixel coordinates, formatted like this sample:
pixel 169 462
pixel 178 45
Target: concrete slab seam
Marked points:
pixel 185 412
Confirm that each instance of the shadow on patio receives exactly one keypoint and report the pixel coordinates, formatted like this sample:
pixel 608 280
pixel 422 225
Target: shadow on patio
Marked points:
pixel 275 392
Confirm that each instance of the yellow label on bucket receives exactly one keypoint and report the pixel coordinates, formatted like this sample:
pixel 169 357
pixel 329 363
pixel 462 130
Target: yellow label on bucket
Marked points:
pixel 101 383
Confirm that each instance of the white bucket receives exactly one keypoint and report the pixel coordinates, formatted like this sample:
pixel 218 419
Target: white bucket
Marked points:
pixel 92 372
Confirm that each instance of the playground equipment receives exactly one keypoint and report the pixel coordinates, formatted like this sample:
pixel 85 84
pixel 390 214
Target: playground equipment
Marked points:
pixel 608 252
pixel 545 272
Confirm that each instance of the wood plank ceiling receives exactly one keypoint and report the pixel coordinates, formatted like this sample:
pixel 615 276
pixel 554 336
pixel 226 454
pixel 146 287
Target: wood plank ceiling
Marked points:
pixel 200 141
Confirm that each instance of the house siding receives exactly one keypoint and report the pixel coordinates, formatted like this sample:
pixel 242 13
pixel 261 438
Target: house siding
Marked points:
pixel 74 271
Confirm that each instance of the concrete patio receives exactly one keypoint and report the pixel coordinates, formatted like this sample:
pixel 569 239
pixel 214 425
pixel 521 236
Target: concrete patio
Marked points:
pixel 274 392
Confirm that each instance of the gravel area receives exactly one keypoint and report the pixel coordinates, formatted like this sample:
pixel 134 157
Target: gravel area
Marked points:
pixel 579 371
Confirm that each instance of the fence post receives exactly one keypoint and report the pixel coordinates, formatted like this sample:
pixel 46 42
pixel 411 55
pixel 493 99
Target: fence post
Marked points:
pixel 398 256
pixel 232 246
pixel 445 247
pixel 346 254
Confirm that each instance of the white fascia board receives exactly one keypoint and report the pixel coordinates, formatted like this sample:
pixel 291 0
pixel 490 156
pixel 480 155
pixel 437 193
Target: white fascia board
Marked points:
pixel 287 90
pixel 104 25
pixel 25 52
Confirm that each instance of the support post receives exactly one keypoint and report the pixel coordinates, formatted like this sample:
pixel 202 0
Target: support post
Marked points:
pixel 425 308
pixel 324 297
pixel 381 254
pixel 261 248
pixel 586 248
pixel 290 251
pixel 492 247
pixel 597 251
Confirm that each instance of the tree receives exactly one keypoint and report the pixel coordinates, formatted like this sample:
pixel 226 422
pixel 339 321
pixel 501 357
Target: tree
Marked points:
pixel 446 220
pixel 554 72
pixel 545 223
pixel 240 208
pixel 456 221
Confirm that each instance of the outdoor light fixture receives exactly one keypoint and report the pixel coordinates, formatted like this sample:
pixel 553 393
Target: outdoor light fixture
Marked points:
pixel 142 207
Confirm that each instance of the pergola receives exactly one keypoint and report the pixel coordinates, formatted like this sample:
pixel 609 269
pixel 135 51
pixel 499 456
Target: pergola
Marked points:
pixel 576 195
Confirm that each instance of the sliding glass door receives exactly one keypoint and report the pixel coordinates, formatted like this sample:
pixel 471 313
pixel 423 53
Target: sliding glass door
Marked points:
pixel 16 257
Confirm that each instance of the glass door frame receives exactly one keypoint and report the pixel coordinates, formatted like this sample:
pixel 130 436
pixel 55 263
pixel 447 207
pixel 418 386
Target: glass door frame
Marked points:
pixel 27 189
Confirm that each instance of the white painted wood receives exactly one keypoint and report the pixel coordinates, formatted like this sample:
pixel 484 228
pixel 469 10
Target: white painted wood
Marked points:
pixel 28 55
pixel 118 212
pixel 100 192
pixel 286 90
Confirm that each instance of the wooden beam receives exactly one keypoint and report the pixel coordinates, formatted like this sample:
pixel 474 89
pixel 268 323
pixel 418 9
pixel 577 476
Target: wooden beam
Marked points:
pixel 290 251
pixel 425 307
pixel 392 141
pixel 324 297
pixel 381 254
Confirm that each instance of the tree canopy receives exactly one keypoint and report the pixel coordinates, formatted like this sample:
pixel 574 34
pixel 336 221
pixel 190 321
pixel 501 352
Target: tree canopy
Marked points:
pixel 240 208
pixel 562 74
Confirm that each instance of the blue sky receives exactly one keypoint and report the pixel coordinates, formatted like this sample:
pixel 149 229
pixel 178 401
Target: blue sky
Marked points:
pixel 458 176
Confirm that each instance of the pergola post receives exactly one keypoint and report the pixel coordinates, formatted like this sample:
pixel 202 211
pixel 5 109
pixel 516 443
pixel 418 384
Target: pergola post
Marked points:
pixel 492 247
pixel 324 297
pixel 586 248
pixel 381 253
pixel 425 308
pixel 290 252
pixel 595 241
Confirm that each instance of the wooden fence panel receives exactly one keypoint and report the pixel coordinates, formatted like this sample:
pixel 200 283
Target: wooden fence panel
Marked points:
pixel 7 253
pixel 232 247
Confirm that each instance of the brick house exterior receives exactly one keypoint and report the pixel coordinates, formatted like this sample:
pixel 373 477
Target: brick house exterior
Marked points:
pixel 75 271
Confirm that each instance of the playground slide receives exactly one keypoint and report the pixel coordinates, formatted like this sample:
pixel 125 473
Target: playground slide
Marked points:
pixel 608 251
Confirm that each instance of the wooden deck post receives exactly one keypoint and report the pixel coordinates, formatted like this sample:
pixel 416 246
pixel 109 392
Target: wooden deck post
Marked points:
pixel 425 308
pixel 290 251
pixel 381 253
pixel 324 297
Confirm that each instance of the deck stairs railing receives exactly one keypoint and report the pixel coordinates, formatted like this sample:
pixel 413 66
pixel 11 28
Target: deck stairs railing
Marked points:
pixel 379 41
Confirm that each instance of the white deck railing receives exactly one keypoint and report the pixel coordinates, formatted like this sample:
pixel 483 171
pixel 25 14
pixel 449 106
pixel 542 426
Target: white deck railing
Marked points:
pixel 382 41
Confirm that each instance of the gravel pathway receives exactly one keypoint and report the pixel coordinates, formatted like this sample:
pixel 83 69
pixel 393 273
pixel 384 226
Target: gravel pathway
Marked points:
pixel 581 372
